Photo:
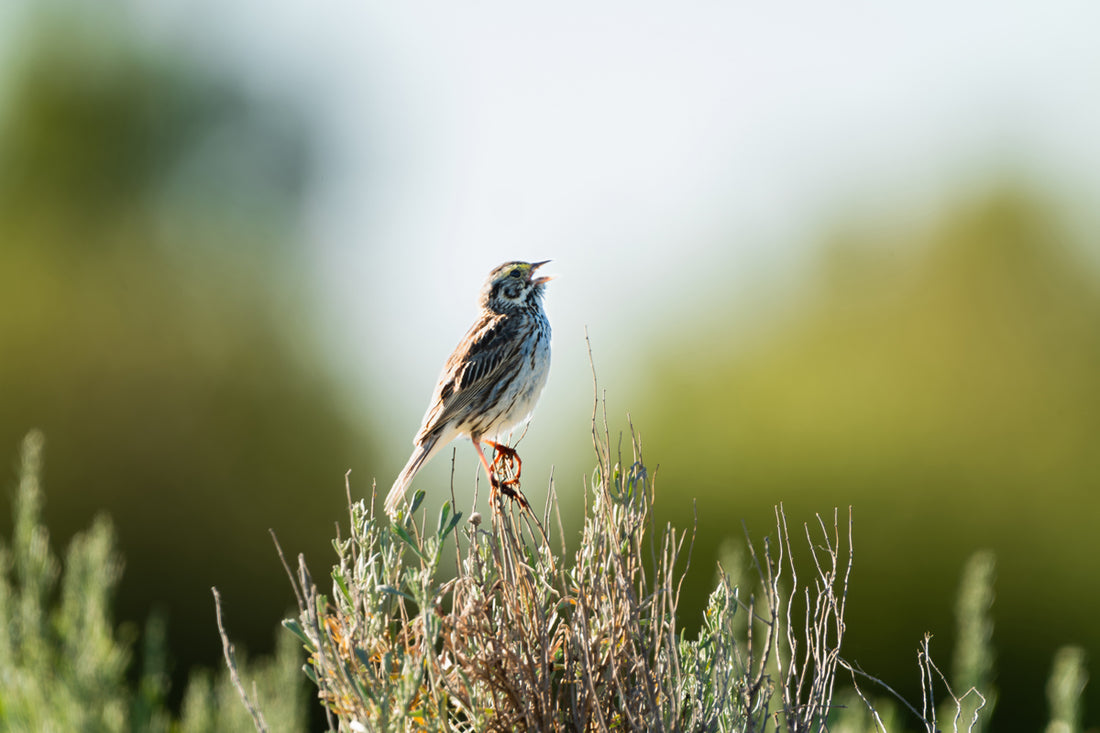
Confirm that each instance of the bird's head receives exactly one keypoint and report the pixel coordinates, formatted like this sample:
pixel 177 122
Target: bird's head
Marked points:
pixel 513 285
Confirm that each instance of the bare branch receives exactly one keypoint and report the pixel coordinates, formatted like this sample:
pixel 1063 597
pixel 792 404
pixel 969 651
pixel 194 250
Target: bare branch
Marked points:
pixel 231 662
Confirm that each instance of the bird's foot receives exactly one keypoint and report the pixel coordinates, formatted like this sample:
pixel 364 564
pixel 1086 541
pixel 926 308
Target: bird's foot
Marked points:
pixel 509 488
pixel 511 457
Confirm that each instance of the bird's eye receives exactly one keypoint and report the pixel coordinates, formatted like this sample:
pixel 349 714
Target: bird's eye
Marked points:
pixel 515 273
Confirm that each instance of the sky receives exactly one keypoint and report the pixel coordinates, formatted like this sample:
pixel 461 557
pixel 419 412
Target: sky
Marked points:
pixel 657 153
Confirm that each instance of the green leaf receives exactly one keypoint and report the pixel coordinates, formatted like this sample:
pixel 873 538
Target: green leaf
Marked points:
pixel 444 513
pixel 295 628
pixel 339 578
pixel 394 592
pixel 311 673
pixel 450 527
pixel 404 535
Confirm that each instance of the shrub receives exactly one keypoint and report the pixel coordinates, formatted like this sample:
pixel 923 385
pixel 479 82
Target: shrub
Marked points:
pixel 63 661
pixel 520 638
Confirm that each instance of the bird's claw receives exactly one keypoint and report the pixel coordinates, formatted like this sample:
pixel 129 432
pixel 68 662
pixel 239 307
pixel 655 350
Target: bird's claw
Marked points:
pixel 515 465
pixel 509 488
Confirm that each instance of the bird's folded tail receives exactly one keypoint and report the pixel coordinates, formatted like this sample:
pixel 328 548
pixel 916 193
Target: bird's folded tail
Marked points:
pixel 421 453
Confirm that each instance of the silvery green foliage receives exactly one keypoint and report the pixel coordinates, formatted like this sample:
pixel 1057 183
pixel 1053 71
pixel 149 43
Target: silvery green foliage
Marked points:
pixel 64 662
pixel 518 636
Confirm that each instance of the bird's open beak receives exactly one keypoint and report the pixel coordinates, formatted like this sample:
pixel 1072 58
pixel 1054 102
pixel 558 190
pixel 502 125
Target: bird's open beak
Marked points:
pixel 538 280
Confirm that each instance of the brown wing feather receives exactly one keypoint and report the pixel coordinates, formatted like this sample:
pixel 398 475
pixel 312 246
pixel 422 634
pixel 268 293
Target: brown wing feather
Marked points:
pixel 471 369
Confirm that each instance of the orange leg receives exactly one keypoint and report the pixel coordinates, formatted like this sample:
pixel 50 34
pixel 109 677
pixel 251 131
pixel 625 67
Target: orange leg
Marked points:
pixel 495 484
pixel 509 454
pixel 485 462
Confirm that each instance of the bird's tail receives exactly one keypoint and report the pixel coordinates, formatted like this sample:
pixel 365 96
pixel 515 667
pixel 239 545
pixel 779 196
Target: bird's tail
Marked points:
pixel 420 455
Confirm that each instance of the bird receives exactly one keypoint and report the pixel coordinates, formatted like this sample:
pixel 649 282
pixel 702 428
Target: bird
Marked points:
pixel 493 379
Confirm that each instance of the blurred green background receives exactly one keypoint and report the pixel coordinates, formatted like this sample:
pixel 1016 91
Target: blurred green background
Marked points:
pixel 154 326
pixel 206 364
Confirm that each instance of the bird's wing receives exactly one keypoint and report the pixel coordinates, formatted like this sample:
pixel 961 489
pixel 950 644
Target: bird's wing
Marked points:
pixel 472 369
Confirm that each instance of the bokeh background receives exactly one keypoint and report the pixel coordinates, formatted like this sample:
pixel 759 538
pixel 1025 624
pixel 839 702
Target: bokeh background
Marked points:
pixel 830 255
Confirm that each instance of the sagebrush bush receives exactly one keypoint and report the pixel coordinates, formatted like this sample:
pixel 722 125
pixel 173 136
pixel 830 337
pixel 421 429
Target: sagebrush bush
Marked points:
pixel 515 637
pixel 519 635
pixel 66 666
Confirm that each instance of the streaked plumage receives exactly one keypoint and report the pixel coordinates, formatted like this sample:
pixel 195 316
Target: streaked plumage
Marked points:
pixel 493 379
